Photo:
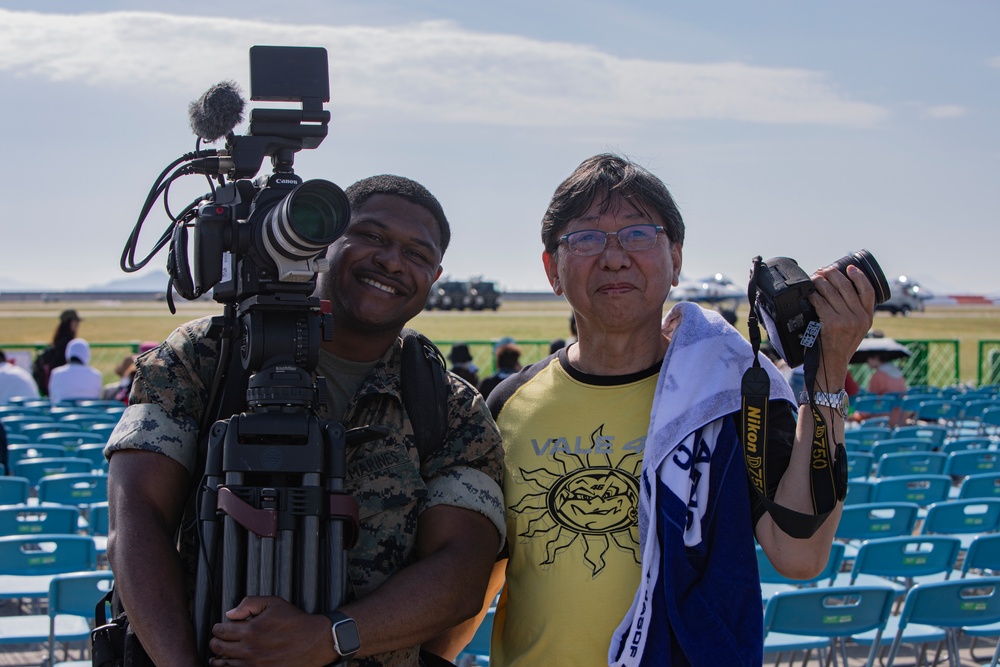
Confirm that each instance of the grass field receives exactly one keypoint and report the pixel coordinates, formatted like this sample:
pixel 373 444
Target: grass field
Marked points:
pixel 526 321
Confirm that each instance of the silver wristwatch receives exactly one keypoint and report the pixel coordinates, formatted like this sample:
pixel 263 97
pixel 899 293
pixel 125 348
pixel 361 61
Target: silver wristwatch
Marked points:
pixel 839 401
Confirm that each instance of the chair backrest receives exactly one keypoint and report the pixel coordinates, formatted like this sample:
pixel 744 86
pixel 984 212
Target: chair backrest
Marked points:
pixel 986 485
pixel 896 445
pixel 876 404
pixel 35 430
pixel 972 462
pixel 858 492
pixel 17 439
pixel 933 432
pixel 942 409
pixel 963 444
pixel 22 452
pixel 38 520
pixel 910 463
pixel 920 489
pixel 78 593
pixel 94 453
pixel 905 557
pixel 869 435
pixel 87 421
pixel 974 407
pixel 958 517
pixel 875 520
pixel 989 421
pixel 829 612
pixel 73 439
pixel 768 575
pixel 47 554
pixel 983 555
pixel 952 604
pixel 14 423
pixel 859 464
pixel 83 488
pixel 97 519
pixel 35 469
pixel 14 490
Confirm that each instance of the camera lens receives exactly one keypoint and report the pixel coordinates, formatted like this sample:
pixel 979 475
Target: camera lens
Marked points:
pixel 308 219
pixel 866 262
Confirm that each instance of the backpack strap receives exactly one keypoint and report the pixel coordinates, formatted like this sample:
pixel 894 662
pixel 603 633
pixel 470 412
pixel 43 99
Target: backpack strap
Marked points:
pixel 423 387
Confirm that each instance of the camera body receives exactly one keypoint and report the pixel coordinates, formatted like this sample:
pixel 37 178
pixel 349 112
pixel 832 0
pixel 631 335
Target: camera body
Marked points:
pixel 782 300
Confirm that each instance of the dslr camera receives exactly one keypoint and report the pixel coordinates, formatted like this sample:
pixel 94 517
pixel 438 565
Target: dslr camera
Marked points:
pixel 779 291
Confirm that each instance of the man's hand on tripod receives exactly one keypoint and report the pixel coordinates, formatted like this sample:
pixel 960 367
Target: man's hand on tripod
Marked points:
pixel 266 631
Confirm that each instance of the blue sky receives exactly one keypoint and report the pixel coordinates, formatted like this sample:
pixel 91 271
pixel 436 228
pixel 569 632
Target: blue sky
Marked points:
pixel 802 129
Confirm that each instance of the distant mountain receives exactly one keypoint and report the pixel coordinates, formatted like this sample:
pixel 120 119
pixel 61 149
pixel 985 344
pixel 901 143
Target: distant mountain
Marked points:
pixel 151 281
pixel 148 282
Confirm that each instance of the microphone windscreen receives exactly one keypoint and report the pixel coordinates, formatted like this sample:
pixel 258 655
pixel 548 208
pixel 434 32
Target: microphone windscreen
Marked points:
pixel 217 112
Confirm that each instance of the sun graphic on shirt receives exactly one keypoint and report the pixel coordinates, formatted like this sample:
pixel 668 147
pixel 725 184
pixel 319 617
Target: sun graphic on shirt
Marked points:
pixel 584 500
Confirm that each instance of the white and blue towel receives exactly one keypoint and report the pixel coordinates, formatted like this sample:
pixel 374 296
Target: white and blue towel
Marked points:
pixel 698 601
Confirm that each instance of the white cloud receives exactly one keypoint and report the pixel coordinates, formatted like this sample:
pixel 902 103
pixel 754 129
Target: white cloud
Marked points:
pixel 430 70
pixel 946 111
pixel 994 62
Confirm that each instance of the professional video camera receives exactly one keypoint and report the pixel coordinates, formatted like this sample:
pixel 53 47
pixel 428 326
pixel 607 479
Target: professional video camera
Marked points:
pixel 779 291
pixel 273 517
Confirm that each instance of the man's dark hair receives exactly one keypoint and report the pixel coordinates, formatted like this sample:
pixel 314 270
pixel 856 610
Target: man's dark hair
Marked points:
pixel 399 186
pixel 616 179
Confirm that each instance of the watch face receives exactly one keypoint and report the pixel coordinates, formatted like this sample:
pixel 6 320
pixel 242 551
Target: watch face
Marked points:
pixel 348 639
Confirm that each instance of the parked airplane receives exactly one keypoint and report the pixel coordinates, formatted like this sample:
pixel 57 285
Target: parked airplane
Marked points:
pixel 713 289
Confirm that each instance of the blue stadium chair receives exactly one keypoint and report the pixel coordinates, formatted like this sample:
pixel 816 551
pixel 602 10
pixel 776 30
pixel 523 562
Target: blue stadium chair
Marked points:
pixel 38 520
pixel 103 404
pixel 87 421
pixel 859 464
pixel 933 432
pixel 910 463
pixel 14 490
pixel 962 444
pixel 22 452
pixel 28 563
pixel 877 520
pixel 17 439
pixel 61 411
pixel 77 489
pixel 72 599
pixel 899 562
pixel 989 422
pixel 95 454
pixel 823 618
pixel 875 404
pixel 941 411
pixel 972 462
pixel 72 440
pixel 38 428
pixel 867 436
pixel 896 445
pixel 859 491
pixel 15 423
pixel 36 469
pixel 962 518
pixel 980 486
pixel 953 605
pixel 920 489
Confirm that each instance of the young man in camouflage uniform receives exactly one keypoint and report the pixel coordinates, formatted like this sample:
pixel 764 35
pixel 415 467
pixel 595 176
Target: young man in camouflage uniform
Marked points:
pixel 430 529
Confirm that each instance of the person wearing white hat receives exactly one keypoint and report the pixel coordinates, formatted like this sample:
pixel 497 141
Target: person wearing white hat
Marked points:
pixel 77 379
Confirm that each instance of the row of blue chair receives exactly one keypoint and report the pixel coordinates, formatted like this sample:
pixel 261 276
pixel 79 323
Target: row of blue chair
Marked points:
pixel 889 463
pixel 922 489
pixel 73 488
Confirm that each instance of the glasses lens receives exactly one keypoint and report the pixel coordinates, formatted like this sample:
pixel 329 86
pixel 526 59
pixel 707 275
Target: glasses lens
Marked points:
pixel 638 237
pixel 586 241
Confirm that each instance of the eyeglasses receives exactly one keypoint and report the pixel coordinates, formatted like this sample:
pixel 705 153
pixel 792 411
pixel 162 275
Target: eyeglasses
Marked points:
pixel 588 242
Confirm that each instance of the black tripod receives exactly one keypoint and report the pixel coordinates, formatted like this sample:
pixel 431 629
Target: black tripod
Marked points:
pixel 273 515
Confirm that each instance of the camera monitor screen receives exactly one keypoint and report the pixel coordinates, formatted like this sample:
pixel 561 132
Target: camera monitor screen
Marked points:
pixel 289 73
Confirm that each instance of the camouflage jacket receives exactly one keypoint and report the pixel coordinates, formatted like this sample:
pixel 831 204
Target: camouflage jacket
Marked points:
pixel 391 485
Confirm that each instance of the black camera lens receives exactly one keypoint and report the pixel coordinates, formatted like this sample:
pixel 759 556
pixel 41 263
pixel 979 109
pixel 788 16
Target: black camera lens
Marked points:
pixel 308 219
pixel 866 262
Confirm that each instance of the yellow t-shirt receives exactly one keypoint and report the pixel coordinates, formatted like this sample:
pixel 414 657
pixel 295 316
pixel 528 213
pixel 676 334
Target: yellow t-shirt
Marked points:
pixel 573 449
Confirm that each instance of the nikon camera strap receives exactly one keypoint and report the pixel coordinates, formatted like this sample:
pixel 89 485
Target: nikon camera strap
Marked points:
pixel 827 481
